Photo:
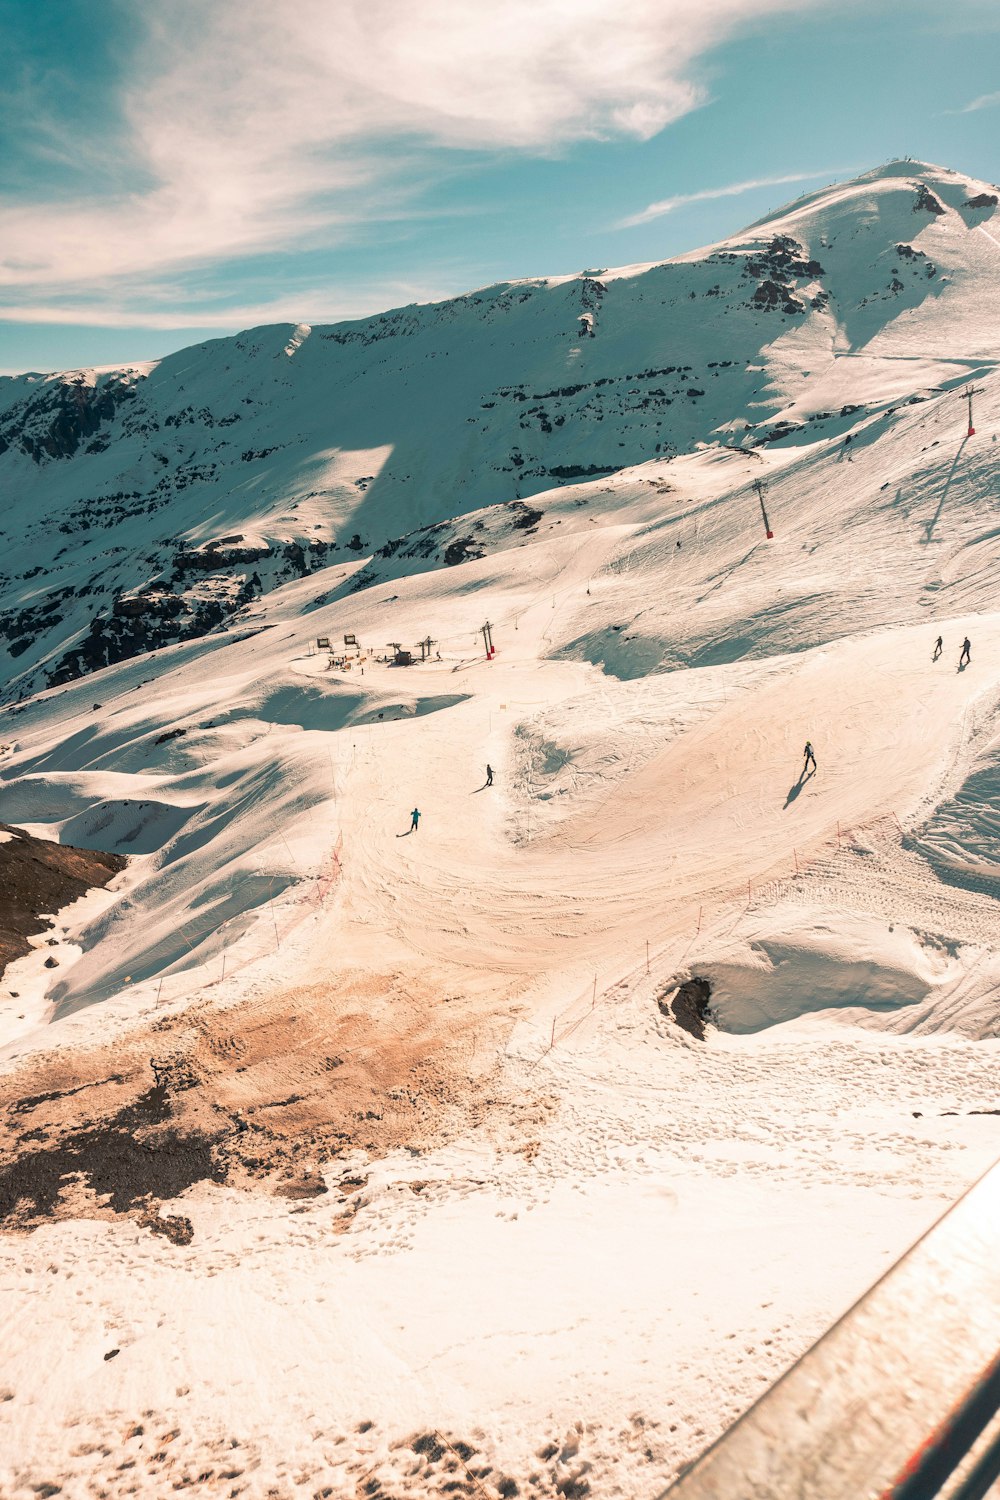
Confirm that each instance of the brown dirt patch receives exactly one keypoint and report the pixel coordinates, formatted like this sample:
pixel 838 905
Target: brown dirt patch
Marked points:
pixel 39 877
pixel 257 1094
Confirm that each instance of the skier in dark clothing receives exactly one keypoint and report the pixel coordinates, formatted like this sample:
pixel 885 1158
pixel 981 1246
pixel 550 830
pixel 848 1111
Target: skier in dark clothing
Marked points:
pixel 809 758
pixel 489 775
pixel 414 819
pixel 966 655
pixel 938 648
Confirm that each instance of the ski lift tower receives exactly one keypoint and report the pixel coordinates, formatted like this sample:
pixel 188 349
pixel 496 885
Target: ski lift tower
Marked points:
pixel 968 393
pixel 760 485
pixel 487 631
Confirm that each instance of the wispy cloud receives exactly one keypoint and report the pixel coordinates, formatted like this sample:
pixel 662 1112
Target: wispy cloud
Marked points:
pixel 323 305
pixel 247 127
pixel 985 101
pixel 732 190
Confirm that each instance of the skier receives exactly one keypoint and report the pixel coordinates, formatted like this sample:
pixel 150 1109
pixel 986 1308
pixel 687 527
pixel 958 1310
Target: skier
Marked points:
pixel 489 775
pixel 966 655
pixel 938 648
pixel 414 819
pixel 809 757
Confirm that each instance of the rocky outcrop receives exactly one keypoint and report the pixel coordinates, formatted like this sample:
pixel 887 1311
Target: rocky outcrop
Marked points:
pixel 56 421
pixel 926 202
pixel 778 269
pixel 38 877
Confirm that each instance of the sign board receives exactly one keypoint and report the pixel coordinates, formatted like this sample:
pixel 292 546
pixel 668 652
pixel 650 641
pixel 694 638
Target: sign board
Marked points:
pixel 350 640
pixel 323 642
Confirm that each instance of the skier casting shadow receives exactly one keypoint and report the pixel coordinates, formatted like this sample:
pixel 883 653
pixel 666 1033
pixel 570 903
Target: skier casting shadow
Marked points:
pixel 965 660
pixel 414 823
pixel 805 774
pixel 487 782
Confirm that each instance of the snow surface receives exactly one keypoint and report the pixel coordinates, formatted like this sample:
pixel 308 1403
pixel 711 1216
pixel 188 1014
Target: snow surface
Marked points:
pixel 628 1233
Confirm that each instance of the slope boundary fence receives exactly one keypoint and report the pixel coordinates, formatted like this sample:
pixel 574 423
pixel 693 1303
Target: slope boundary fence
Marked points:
pixel 718 913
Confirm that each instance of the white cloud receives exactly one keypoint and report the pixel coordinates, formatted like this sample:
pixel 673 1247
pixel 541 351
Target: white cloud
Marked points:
pixel 985 101
pixel 255 125
pixel 732 190
pixel 141 311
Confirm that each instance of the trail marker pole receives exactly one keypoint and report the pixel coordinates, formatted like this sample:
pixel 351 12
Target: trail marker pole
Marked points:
pixel 700 910
pixel 796 859
pixel 593 1003
pixel 552 1039
pixel 647 955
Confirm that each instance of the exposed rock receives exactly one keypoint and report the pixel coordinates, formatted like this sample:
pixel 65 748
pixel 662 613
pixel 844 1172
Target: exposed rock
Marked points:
pixel 38 876
pixel 926 201
pixel 54 421
pixel 688 1004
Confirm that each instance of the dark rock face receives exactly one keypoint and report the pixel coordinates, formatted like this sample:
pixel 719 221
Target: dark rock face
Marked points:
pixel 982 200
pixel 206 586
pixel 689 1006
pixel 462 549
pixel 926 201
pixel 54 423
pixel 36 877
pixel 778 269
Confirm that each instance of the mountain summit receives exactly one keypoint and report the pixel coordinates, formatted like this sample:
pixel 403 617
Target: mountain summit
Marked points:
pixel 149 505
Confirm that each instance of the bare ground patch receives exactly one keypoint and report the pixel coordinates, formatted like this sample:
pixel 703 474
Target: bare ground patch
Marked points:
pixel 257 1094
pixel 38 876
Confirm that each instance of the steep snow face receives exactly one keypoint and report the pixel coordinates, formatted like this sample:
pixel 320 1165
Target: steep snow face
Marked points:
pixel 149 505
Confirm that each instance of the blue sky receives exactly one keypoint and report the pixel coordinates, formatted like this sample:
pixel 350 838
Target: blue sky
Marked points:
pixel 173 170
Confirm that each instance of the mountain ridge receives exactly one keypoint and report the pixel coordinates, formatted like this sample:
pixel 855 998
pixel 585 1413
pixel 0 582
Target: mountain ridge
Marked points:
pixel 169 495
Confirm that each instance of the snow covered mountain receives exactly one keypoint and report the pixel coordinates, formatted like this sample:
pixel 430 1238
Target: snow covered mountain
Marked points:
pixel 357 1159
pixel 149 505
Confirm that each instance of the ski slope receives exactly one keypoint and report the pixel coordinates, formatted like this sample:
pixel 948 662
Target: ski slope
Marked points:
pixel 478 1211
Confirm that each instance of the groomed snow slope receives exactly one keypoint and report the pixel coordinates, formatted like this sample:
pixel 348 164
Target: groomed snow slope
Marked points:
pixel 563 1241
